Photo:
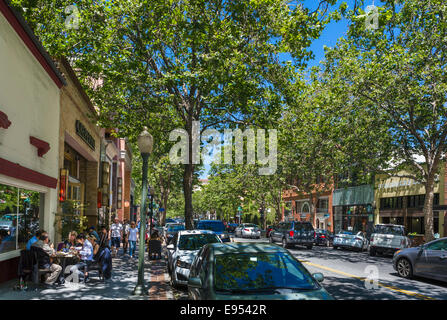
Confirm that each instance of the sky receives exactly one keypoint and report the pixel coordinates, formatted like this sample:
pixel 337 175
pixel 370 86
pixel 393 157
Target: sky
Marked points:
pixel 329 37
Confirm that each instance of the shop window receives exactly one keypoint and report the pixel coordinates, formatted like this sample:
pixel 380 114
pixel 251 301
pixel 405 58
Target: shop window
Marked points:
pixel 19 217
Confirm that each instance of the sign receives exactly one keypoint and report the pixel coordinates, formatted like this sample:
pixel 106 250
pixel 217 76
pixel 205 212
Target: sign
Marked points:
pixel 161 209
pixel 85 135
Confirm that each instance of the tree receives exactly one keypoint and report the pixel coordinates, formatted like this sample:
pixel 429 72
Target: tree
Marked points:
pixel 166 64
pixel 398 73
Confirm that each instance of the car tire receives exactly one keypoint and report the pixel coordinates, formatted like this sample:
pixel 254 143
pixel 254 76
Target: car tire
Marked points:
pixel 372 252
pixel 270 239
pixel 404 268
pixel 174 285
pixel 309 247
pixel 335 247
pixel 284 243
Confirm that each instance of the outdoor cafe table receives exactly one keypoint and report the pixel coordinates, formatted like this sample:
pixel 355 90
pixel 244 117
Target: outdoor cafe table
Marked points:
pixel 65 259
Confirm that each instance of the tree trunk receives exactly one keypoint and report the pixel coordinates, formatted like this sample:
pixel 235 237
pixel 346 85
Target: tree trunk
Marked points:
pixel 187 190
pixel 164 198
pixel 428 209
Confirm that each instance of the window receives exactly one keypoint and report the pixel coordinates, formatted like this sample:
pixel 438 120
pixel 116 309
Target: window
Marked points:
pixel 19 217
pixel 438 245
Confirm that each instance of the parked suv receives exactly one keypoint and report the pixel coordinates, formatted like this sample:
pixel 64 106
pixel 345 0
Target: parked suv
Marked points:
pixel 388 238
pixel 293 233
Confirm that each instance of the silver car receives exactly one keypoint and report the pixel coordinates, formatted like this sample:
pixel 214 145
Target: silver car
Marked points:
pixel 349 240
pixel 248 230
pixel 182 251
pixel 428 260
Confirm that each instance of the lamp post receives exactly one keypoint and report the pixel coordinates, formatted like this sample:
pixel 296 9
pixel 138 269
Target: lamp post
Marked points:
pixel 145 144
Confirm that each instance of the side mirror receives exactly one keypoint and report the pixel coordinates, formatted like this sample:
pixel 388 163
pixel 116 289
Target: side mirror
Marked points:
pixel 170 247
pixel 318 276
pixel 194 283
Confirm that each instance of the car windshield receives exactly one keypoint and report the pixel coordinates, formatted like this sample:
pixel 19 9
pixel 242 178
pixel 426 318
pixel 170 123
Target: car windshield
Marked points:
pixel 176 227
pixel 393 230
pixel 217 226
pixel 258 271
pixel 196 241
pixel 346 232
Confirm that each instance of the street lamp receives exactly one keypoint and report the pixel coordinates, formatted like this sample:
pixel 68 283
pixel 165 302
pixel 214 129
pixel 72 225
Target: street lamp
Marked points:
pixel 145 144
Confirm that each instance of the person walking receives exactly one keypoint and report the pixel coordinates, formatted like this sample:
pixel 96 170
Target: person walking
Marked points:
pixel 126 227
pixel 116 233
pixel 132 235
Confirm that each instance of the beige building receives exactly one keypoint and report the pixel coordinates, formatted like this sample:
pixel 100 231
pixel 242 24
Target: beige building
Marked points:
pixel 79 150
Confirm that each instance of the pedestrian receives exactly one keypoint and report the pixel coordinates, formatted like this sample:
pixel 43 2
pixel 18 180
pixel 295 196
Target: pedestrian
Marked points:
pixel 116 233
pixel 132 235
pixel 92 232
pixel 126 227
pixel 104 238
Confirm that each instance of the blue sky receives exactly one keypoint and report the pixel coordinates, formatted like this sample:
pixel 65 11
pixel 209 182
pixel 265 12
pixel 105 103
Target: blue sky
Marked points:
pixel 329 37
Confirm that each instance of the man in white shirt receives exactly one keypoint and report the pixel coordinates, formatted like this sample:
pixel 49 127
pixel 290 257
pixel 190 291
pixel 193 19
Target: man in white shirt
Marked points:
pixel 116 233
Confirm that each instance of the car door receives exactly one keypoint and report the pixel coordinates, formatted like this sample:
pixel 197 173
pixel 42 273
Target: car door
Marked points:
pixel 276 232
pixel 172 253
pixel 198 271
pixel 435 260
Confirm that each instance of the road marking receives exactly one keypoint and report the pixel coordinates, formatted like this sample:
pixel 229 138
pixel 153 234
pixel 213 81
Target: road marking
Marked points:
pixel 407 292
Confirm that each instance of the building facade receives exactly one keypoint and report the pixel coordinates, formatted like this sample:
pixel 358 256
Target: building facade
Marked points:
pixel 79 152
pixel 299 207
pixel 30 87
pixel 353 209
pixel 400 201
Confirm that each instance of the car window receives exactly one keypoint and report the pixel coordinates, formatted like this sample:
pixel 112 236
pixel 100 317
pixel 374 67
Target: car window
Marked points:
pixel 196 241
pixel 264 270
pixel 303 227
pixel 216 226
pixel 393 230
pixel 176 227
pixel 438 245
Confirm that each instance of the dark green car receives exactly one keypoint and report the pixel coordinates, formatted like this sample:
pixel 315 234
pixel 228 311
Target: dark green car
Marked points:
pixel 251 271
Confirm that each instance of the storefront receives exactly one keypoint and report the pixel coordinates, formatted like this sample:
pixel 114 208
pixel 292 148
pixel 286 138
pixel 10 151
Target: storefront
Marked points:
pixel 401 200
pixel 353 209
pixel 29 131
pixel 79 157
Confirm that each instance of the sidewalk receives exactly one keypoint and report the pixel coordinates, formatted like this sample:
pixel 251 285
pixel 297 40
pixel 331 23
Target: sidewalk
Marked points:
pixel 119 287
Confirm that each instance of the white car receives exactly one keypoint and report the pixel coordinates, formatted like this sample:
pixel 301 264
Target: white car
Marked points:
pixel 388 238
pixel 182 251
pixel 349 240
pixel 248 230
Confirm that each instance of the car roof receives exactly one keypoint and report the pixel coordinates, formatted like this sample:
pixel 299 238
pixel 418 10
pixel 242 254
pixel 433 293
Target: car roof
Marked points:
pixel 187 232
pixel 245 247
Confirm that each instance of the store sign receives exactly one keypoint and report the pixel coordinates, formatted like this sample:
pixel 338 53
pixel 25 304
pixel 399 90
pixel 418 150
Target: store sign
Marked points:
pixel 85 135
pixel 63 185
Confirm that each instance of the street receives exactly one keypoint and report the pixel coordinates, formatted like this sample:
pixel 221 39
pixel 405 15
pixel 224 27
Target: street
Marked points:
pixel 345 273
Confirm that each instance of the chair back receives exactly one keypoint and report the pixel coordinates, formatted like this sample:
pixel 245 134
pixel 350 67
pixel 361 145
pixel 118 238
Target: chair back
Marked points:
pixel 154 246
pixel 25 262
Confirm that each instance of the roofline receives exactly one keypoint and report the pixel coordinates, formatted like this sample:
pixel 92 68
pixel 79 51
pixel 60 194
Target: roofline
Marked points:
pixel 22 29
pixel 74 78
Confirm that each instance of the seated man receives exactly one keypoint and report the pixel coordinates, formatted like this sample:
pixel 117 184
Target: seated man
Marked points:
pixel 34 239
pixel 86 253
pixel 44 253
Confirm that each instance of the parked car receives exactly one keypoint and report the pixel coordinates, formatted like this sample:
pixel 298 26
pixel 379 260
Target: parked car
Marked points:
pixel 323 237
pixel 172 230
pixel 217 226
pixel 254 271
pixel 7 225
pixel 182 251
pixel 428 260
pixel 293 233
pixel 170 221
pixel 350 240
pixel 248 230
pixel 388 238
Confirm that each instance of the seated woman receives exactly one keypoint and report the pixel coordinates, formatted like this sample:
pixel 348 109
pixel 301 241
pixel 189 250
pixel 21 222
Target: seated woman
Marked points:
pixel 71 242
pixel 96 247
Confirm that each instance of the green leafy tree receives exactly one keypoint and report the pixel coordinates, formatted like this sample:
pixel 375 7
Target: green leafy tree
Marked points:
pixel 397 73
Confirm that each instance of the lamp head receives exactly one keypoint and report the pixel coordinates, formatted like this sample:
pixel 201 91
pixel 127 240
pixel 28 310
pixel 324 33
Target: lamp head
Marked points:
pixel 145 141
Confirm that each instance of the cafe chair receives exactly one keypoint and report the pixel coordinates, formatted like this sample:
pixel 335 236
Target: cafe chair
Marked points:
pixel 37 272
pixel 96 266
pixel 25 268
pixel 154 248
